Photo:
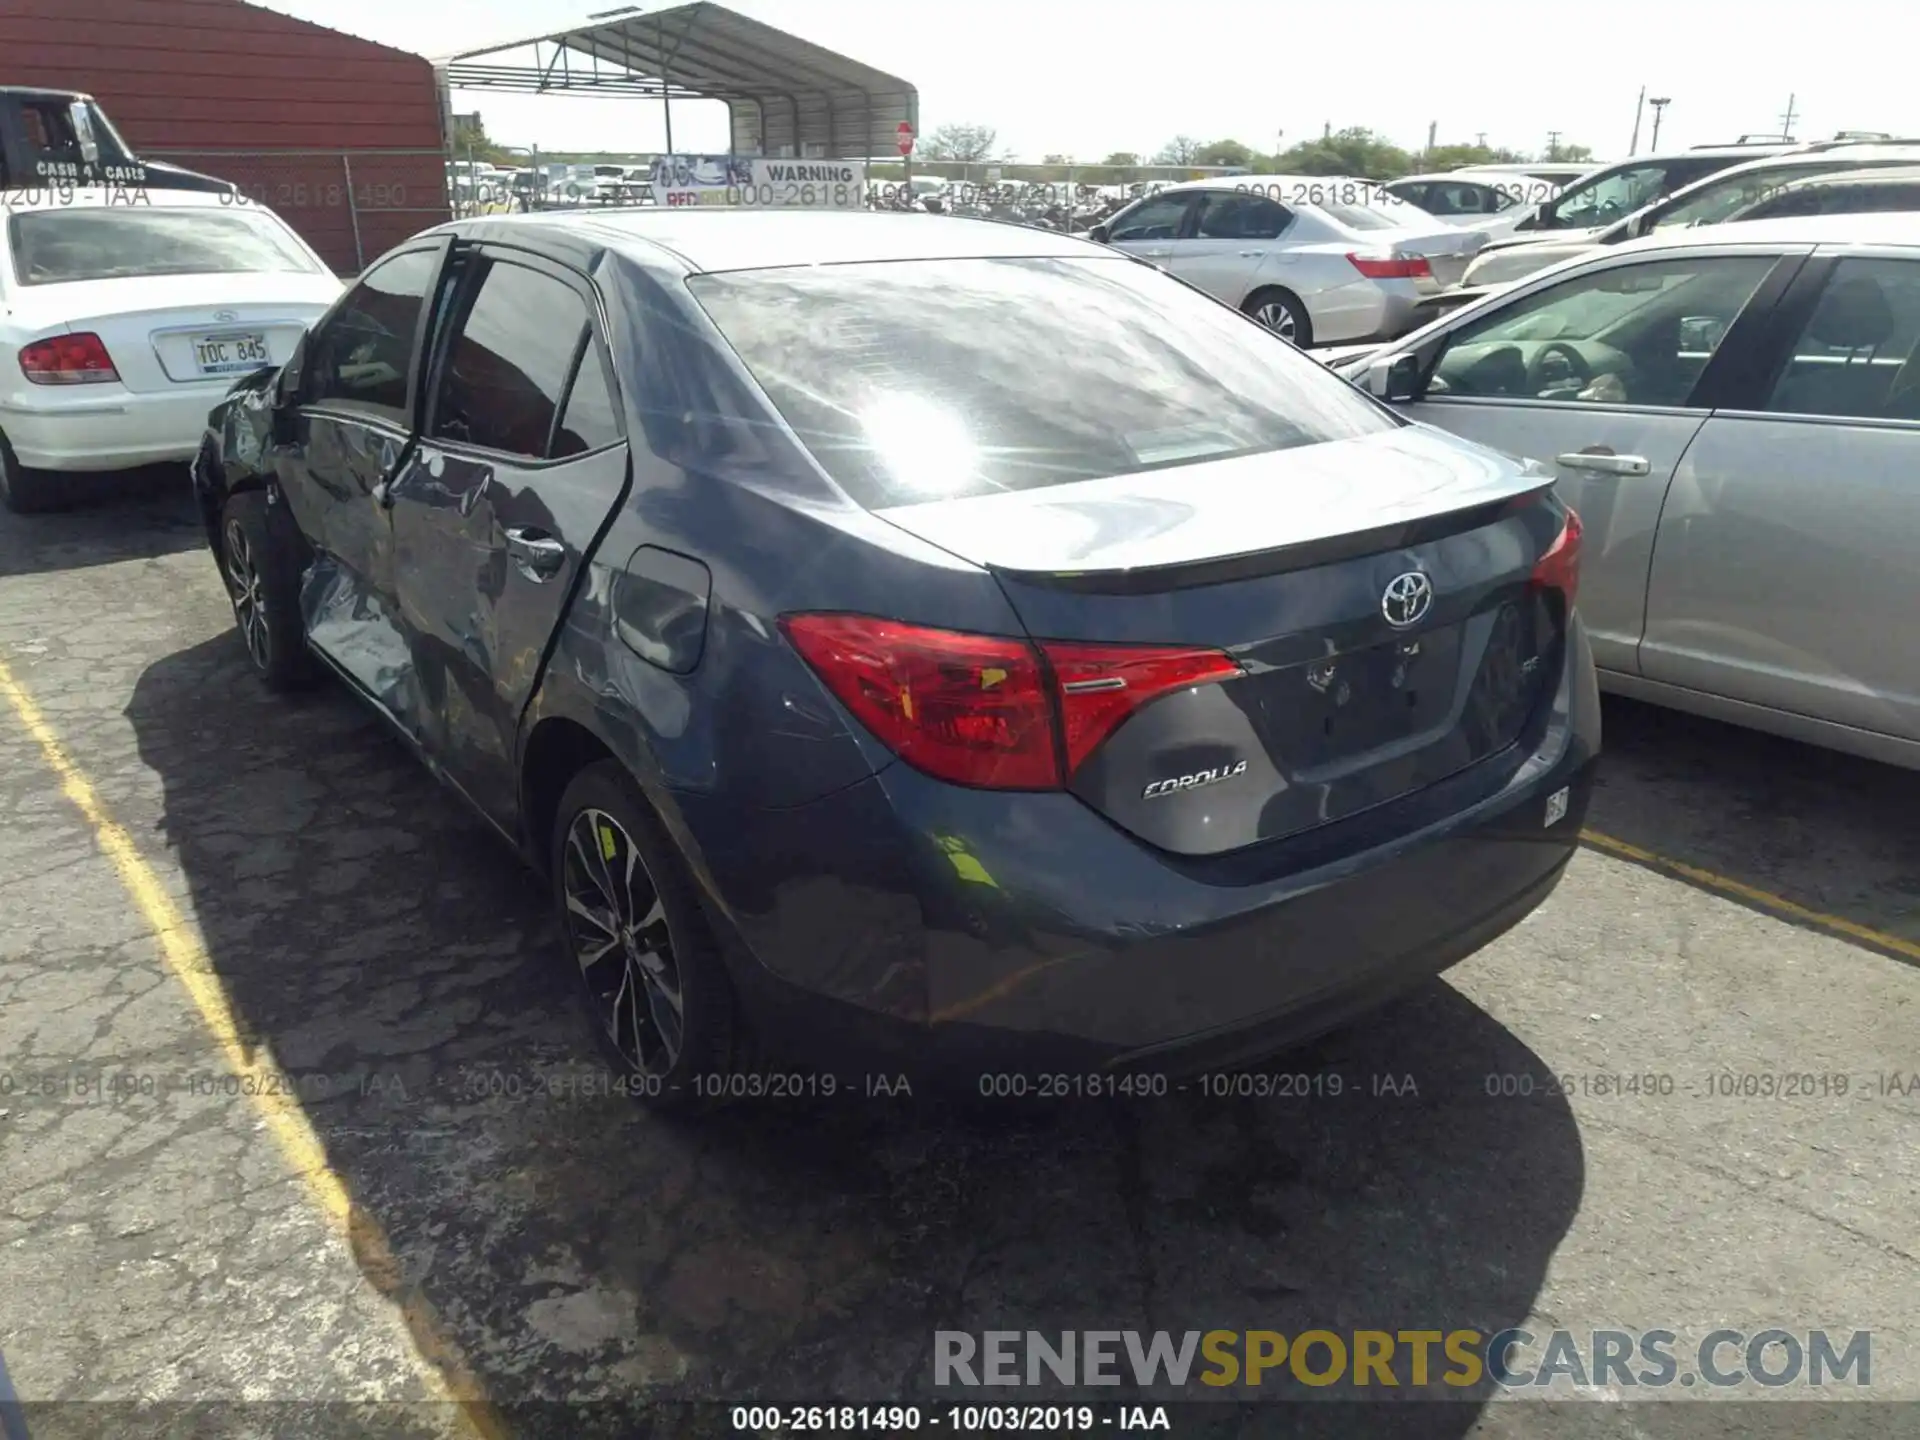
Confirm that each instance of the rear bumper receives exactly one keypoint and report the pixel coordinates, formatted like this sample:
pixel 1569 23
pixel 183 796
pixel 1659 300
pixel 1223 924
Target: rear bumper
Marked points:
pixel 946 933
pixel 80 428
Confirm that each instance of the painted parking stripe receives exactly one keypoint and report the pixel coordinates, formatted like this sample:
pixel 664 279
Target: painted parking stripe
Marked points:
pixel 1898 946
pixel 186 958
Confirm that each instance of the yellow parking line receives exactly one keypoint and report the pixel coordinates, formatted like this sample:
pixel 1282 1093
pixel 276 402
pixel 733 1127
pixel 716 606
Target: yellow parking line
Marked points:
pixel 186 957
pixel 1765 899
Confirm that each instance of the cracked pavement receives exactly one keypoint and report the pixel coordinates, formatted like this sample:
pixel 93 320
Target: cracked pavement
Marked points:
pixel 382 949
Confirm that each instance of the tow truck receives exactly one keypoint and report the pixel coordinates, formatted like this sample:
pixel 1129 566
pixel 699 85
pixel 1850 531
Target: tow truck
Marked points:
pixel 54 140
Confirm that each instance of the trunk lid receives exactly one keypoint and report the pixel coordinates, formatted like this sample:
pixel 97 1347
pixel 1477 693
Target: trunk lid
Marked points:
pixel 1447 249
pixel 1358 686
pixel 164 332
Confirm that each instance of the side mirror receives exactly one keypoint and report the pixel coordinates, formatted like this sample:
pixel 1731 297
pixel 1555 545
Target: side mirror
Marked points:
pixel 82 118
pixel 1099 233
pixel 286 388
pixel 1393 378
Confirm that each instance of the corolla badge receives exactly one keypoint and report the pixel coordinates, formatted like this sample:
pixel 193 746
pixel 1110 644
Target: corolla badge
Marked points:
pixel 1407 599
pixel 1179 784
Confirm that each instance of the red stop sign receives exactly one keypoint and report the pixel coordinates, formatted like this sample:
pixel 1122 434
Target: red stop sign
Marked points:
pixel 903 136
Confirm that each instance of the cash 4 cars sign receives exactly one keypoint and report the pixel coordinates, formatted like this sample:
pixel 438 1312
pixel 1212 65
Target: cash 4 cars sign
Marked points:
pixel 739 181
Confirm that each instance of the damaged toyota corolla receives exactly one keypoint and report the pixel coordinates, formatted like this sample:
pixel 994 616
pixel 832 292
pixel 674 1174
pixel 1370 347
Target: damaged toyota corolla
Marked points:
pixel 916 647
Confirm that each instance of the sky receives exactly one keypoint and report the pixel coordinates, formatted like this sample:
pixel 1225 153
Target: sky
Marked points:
pixel 1082 78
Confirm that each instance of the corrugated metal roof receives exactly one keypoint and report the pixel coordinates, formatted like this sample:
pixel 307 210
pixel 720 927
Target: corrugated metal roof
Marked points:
pixel 786 95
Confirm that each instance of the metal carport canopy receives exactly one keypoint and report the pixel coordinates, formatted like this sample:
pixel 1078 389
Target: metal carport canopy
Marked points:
pixel 786 96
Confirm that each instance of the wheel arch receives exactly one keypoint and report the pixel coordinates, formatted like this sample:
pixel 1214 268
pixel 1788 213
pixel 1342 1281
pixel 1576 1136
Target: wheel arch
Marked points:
pixel 557 748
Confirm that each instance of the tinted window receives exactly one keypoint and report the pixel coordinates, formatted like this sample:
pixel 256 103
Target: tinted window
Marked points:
pixel 1157 219
pixel 588 422
pixel 507 363
pixel 1609 197
pixel 1713 200
pixel 364 352
pixel 1631 334
pixel 938 379
pixel 1235 215
pixel 1856 355
pixel 52 246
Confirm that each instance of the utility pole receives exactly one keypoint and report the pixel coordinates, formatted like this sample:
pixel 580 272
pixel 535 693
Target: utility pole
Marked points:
pixel 1633 146
pixel 1659 104
pixel 1786 120
pixel 1553 144
pixel 1433 133
pixel 1480 139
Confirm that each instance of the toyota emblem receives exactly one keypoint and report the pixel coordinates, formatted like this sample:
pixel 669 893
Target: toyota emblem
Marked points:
pixel 1407 599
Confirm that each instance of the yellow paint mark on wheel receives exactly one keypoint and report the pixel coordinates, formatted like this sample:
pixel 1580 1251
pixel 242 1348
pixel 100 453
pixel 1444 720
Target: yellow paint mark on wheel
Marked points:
pixel 186 958
pixel 1753 895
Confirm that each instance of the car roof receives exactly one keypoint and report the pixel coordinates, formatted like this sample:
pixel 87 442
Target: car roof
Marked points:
pixel 1889 228
pixel 710 239
pixel 1469 176
pixel 1874 175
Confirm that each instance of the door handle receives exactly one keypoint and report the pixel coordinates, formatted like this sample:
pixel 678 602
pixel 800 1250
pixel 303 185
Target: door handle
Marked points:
pixel 1604 464
pixel 538 555
pixel 1251 254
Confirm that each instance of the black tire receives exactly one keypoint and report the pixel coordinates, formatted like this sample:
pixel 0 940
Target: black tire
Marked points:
pixel 1281 312
pixel 23 491
pixel 257 560
pixel 607 840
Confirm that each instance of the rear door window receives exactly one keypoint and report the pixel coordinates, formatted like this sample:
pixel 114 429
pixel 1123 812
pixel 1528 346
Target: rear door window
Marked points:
pixel 1240 215
pixel 508 360
pixel 1858 355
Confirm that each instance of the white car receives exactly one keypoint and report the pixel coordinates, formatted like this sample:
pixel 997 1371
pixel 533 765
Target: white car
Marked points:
pixel 1491 201
pixel 1319 259
pixel 122 325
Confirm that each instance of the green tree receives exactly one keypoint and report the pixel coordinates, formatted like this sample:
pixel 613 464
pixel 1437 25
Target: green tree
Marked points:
pixel 1178 151
pixel 1355 151
pixel 1119 168
pixel 1225 152
pixel 968 143
pixel 1452 157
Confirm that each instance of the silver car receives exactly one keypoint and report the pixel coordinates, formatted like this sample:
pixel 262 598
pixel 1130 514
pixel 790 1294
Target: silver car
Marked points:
pixel 1735 414
pixel 1717 198
pixel 1319 259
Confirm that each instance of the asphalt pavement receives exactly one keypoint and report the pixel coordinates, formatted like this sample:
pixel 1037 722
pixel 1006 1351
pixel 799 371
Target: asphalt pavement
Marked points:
pixel 297 1107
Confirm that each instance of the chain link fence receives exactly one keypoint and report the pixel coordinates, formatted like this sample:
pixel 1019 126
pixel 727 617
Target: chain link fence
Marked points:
pixel 350 205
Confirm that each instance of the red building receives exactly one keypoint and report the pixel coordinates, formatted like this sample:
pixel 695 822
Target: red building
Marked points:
pixel 341 136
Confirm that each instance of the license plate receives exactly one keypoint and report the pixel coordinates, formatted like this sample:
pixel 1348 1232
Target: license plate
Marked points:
pixel 225 354
pixel 1556 807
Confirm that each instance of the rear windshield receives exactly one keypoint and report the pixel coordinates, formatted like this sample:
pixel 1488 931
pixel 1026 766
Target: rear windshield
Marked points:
pixel 1366 217
pixel 939 379
pixel 53 246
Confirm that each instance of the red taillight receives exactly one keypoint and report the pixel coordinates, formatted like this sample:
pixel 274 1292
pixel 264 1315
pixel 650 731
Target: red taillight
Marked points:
pixel 985 710
pixel 1559 567
pixel 1392 267
pixel 1101 685
pixel 67 360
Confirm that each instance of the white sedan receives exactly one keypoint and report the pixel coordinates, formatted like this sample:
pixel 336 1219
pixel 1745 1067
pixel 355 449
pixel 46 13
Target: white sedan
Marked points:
pixel 122 325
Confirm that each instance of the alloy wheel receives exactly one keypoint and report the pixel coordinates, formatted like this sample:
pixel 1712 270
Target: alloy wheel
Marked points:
pixel 249 595
pixel 617 928
pixel 1277 318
